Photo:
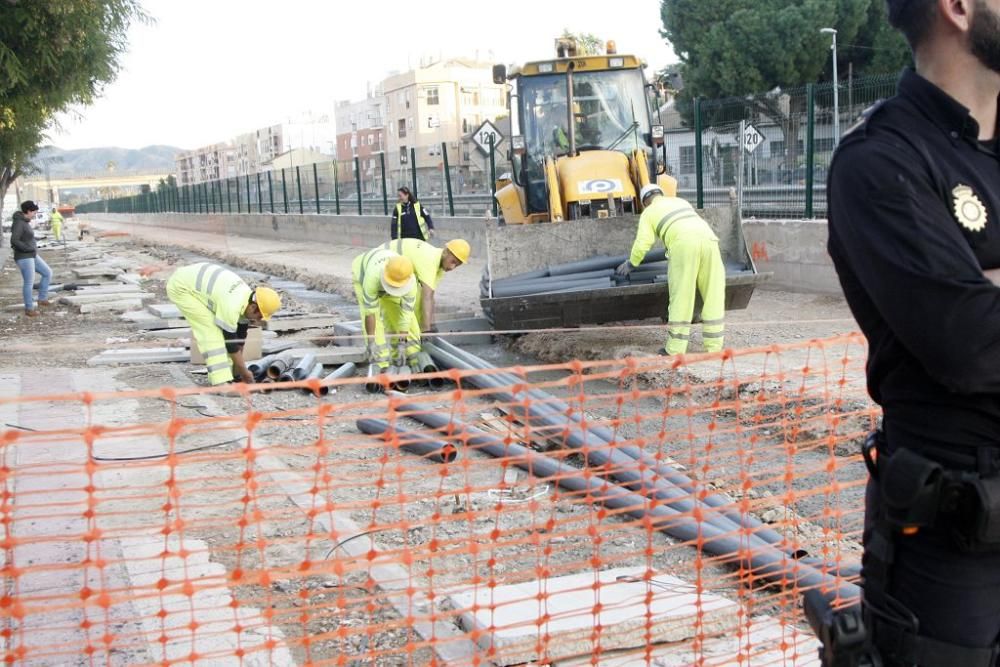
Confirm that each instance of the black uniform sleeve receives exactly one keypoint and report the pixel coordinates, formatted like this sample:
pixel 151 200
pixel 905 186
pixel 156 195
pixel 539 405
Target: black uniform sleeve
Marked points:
pixel 393 230
pixel 905 252
pixel 235 340
pixel 427 217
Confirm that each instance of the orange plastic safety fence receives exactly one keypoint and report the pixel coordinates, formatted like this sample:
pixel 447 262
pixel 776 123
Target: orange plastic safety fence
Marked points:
pixel 191 525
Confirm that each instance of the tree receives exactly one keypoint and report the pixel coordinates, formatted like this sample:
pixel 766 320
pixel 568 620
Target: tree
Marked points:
pixel 759 49
pixel 53 54
pixel 587 43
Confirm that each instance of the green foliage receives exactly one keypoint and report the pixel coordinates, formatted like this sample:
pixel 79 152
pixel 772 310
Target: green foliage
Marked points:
pixel 733 48
pixel 587 43
pixel 53 54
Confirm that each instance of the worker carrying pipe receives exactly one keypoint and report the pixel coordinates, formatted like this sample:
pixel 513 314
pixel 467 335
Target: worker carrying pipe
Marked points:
pixel 695 265
pixel 220 306
pixel 386 290
pixel 429 266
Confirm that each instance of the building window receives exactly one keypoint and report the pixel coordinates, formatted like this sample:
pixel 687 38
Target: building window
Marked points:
pixel 687 159
pixel 432 95
pixel 403 156
pixel 401 125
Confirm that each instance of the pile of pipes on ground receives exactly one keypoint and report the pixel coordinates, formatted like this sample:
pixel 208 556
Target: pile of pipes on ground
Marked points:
pixel 402 373
pixel 616 474
pixel 289 367
pixel 586 274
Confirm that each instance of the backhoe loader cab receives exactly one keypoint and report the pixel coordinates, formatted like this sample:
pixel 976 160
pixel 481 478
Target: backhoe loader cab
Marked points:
pixel 584 143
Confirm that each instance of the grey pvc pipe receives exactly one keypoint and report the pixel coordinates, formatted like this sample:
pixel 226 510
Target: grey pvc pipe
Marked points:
pixel 279 365
pixel 548 403
pixel 315 373
pixel 602 262
pixel 587 275
pixel 345 371
pixel 526 289
pixel 431 449
pixel 762 560
pixel 424 364
pixel 373 386
pixel 401 377
pixel 527 275
pixel 305 365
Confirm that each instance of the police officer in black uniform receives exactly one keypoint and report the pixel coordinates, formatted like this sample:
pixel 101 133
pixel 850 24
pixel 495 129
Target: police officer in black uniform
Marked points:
pixel 914 213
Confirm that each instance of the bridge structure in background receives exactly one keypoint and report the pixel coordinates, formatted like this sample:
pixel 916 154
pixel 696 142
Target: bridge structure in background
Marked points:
pixel 40 188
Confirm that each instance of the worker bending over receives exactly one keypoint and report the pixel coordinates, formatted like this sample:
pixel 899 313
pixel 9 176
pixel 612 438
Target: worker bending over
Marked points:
pixel 429 265
pixel 220 306
pixel 386 290
pixel 695 265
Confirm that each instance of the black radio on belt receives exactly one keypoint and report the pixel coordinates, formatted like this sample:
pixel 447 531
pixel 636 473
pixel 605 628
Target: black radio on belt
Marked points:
pixel 845 641
pixel 917 492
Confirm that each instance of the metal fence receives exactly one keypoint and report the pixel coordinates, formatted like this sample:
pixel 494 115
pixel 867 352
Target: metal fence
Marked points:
pixel 311 188
pixel 767 153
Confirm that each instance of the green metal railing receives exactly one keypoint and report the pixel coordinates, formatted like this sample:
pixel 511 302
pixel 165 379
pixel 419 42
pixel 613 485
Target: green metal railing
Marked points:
pixel 784 176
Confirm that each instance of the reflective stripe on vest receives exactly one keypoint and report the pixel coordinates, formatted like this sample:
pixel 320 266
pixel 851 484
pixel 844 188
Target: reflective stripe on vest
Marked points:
pixel 420 221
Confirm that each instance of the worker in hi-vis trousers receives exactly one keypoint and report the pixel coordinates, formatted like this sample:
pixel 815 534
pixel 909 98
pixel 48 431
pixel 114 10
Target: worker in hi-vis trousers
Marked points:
pixel 386 290
pixel 220 306
pixel 429 265
pixel 695 264
pixel 56 220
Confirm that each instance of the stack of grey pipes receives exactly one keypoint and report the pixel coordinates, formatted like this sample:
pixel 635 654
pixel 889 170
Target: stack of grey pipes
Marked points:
pixel 586 274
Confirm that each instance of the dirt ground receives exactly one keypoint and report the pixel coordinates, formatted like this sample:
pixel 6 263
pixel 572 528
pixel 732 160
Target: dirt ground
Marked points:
pixel 420 508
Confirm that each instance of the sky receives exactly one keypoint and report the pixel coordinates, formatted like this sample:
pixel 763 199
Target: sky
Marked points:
pixel 204 71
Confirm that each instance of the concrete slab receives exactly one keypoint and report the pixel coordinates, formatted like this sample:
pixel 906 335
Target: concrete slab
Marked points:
pixel 299 322
pixel 135 355
pixel 165 311
pixel 115 288
pixel 96 272
pixel 80 299
pixel 631 613
pixel 768 641
pixel 466 324
pixel 120 306
pixel 146 320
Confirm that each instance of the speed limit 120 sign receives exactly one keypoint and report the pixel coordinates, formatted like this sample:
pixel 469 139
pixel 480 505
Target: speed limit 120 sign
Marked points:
pixel 481 136
pixel 751 138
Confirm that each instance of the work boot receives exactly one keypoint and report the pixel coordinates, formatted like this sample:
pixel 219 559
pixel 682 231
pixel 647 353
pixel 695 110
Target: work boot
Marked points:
pixel 663 353
pixel 45 303
pixel 31 313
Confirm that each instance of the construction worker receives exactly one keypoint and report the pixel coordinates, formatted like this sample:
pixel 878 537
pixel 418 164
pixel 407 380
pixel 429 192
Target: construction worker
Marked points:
pixel 386 290
pixel 57 224
pixel 429 265
pixel 913 206
pixel 220 306
pixel 695 266
pixel 410 220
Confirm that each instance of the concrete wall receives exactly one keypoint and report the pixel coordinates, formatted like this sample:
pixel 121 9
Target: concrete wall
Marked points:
pixel 352 230
pixel 794 251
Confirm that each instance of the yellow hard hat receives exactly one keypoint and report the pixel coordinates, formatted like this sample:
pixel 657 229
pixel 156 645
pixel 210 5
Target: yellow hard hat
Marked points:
pixel 267 301
pixel 460 249
pixel 397 276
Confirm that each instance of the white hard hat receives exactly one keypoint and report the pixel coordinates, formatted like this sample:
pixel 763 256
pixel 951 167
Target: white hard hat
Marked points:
pixel 648 190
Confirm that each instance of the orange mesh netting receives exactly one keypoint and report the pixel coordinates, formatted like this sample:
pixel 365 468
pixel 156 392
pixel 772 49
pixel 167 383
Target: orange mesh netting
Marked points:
pixel 196 525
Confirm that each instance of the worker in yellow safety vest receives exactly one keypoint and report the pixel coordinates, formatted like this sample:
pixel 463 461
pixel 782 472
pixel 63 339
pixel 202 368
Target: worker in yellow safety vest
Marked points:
pixel 57 222
pixel 220 306
pixel 429 265
pixel 695 265
pixel 386 290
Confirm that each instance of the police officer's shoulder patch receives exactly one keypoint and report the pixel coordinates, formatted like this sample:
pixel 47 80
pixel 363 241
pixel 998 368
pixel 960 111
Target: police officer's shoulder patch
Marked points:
pixel 968 208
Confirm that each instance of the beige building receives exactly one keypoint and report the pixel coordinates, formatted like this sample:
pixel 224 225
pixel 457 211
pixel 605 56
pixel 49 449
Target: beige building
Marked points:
pixel 297 157
pixel 441 102
pixel 208 163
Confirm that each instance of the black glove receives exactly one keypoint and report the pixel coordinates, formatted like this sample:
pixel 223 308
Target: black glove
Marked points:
pixel 624 269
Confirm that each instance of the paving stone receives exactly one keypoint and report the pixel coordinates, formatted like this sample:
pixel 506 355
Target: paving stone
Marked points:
pixel 166 311
pixel 509 617
pixel 79 299
pixel 119 306
pixel 299 322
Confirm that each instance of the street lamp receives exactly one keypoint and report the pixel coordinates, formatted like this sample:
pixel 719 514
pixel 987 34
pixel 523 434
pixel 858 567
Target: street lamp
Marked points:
pixel 836 86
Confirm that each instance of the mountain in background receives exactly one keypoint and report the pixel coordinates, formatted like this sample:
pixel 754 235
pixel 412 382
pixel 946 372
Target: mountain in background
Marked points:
pixel 94 161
